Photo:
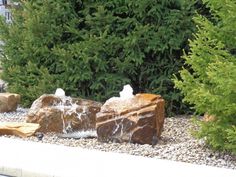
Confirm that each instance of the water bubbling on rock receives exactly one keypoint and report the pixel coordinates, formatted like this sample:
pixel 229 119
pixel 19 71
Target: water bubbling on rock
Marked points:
pixel 131 118
pixel 127 92
pixel 63 114
pixel 60 93
pixel 125 95
pixel 67 107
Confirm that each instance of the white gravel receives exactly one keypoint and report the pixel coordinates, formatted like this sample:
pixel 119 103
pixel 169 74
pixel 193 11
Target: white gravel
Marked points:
pixel 17 116
pixel 176 143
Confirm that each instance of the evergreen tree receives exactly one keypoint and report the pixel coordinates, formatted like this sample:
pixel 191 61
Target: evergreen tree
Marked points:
pixel 210 82
pixel 30 60
pixel 137 42
pixel 92 48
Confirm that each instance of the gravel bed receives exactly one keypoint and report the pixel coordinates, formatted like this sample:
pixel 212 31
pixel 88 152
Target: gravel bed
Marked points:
pixel 176 143
pixel 17 116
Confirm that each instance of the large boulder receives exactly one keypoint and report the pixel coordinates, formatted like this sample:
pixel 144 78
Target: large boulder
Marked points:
pixel 20 129
pixel 138 119
pixel 9 102
pixel 63 115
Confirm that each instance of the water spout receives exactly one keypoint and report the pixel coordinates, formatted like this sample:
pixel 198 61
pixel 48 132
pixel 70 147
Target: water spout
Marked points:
pixel 60 92
pixel 127 92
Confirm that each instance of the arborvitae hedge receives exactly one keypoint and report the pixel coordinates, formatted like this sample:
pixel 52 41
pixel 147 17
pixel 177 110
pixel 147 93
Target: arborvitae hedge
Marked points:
pixel 92 48
pixel 210 84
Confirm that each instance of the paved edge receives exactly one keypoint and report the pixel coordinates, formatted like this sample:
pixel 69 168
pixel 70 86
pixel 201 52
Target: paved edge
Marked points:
pixel 31 159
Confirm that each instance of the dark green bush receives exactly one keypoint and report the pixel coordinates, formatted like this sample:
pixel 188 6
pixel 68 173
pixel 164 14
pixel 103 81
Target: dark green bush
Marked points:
pixel 91 48
pixel 30 60
pixel 210 83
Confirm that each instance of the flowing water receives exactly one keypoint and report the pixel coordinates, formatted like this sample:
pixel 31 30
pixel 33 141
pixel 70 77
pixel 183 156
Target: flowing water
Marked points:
pixel 67 107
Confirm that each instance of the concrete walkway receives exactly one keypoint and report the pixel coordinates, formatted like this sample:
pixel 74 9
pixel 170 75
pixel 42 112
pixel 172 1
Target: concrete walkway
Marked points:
pixel 29 159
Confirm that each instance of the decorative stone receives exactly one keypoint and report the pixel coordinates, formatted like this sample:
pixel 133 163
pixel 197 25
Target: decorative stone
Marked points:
pixel 63 114
pixel 208 118
pixel 9 102
pixel 20 129
pixel 138 120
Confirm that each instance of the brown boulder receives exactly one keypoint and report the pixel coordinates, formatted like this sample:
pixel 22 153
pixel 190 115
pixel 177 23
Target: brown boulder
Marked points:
pixel 20 129
pixel 9 102
pixel 56 114
pixel 138 120
pixel 48 118
pixel 46 100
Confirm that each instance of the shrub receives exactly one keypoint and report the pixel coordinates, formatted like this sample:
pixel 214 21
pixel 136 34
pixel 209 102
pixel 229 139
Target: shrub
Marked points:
pixel 30 63
pixel 91 48
pixel 209 79
pixel 139 42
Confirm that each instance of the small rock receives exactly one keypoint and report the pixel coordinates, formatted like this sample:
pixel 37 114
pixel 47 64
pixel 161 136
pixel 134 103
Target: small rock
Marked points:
pixel 9 102
pixel 39 135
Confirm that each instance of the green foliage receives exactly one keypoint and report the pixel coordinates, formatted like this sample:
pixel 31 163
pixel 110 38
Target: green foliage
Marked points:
pixel 92 48
pixel 30 63
pixel 137 42
pixel 209 79
pixel 36 83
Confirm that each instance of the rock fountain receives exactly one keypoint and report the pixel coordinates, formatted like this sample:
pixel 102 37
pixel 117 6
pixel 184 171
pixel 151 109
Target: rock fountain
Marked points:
pixel 128 118
pixel 131 118
pixel 62 114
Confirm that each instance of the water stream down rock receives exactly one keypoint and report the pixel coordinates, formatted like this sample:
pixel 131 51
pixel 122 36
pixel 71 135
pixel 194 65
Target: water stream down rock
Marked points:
pixel 61 114
pixel 137 119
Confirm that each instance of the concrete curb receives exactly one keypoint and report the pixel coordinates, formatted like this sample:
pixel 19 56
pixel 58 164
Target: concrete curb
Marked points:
pixel 30 159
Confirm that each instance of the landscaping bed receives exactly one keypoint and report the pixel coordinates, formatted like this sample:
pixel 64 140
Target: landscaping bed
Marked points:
pixel 176 143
